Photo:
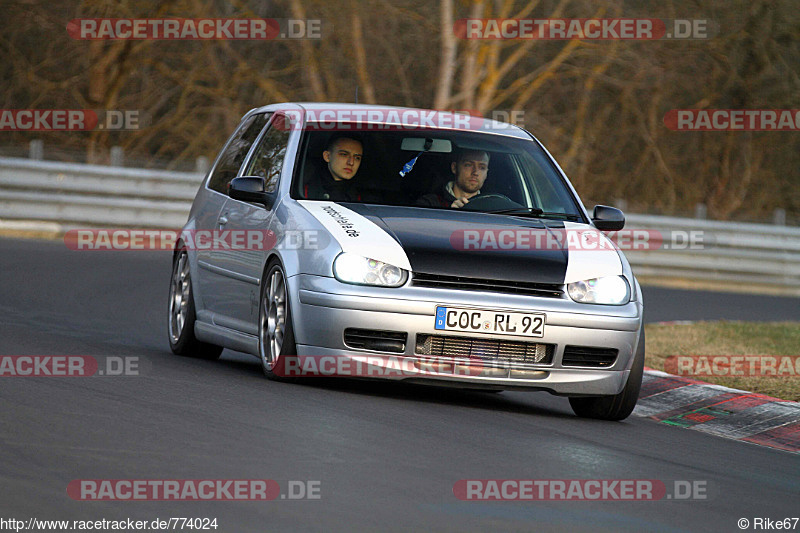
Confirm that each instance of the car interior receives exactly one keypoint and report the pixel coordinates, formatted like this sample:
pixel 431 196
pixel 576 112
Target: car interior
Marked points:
pixel 379 173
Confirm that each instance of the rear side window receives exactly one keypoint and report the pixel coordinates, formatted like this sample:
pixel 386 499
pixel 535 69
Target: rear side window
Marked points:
pixel 235 151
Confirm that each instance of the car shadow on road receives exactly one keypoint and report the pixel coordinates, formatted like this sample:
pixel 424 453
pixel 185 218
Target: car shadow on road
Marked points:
pixel 510 401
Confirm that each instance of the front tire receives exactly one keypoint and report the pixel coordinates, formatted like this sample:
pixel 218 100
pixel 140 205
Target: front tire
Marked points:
pixel 276 343
pixel 618 406
pixel 182 316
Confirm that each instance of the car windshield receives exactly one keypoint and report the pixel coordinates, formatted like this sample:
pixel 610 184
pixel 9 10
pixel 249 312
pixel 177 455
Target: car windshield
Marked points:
pixel 418 168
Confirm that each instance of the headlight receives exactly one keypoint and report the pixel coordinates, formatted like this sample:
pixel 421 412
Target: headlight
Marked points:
pixel 353 268
pixel 611 290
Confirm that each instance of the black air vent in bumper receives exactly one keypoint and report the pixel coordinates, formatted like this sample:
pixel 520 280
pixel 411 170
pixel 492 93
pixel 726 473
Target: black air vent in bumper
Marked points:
pixel 587 356
pixel 376 340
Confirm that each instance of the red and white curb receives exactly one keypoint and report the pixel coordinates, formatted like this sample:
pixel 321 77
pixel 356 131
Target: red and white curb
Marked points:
pixel 721 411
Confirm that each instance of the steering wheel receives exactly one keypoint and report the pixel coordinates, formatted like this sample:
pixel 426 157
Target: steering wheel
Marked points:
pixel 490 202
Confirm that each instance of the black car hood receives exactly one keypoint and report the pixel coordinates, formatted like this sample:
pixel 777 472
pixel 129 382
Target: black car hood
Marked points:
pixel 433 241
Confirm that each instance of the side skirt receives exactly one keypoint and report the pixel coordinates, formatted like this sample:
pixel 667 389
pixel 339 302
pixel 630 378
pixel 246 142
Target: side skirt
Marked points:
pixel 231 339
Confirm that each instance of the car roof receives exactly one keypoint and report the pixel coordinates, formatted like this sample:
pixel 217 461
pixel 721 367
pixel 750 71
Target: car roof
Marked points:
pixel 400 116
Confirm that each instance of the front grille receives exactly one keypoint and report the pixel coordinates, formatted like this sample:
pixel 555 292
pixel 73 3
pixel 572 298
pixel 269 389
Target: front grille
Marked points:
pixel 436 281
pixel 376 340
pixel 586 356
pixel 485 349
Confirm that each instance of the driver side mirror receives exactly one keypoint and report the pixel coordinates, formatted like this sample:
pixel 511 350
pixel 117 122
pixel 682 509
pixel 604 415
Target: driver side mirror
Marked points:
pixel 607 218
pixel 250 189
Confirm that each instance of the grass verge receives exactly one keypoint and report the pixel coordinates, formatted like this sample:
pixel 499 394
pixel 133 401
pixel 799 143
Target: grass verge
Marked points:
pixel 731 339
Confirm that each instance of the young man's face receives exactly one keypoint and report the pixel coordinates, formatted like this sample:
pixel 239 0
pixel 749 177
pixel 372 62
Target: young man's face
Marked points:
pixel 343 159
pixel 470 171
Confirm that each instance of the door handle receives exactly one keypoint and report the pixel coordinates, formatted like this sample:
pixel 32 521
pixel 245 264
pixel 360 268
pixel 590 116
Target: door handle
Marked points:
pixel 222 220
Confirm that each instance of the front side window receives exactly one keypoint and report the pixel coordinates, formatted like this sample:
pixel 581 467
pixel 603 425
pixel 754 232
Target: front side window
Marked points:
pixel 235 151
pixel 267 160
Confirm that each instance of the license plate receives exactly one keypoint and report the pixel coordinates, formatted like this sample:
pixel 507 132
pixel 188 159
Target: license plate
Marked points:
pixel 494 322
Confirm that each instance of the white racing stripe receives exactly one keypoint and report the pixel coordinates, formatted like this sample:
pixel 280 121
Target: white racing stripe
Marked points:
pixel 357 234
pixel 588 262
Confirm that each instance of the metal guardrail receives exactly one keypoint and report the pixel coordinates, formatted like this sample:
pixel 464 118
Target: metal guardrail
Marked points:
pixel 723 251
pixel 76 195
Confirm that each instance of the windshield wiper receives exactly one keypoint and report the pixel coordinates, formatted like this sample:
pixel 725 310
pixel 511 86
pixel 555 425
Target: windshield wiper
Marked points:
pixel 534 212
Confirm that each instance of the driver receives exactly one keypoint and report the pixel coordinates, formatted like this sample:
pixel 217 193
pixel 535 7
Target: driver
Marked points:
pixel 469 172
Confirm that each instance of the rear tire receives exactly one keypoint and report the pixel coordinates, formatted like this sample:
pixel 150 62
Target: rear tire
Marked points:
pixel 618 406
pixel 276 343
pixel 182 315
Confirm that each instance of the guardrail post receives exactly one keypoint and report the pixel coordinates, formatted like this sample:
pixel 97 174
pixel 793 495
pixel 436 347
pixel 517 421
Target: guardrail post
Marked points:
pixel 36 150
pixel 700 211
pixel 201 164
pixel 621 204
pixel 117 156
pixel 779 217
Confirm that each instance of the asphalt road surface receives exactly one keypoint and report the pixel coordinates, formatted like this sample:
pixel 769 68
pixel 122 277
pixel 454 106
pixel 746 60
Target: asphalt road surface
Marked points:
pixel 385 455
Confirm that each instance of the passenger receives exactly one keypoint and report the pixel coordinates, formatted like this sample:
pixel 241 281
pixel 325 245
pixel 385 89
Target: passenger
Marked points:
pixel 469 172
pixel 335 182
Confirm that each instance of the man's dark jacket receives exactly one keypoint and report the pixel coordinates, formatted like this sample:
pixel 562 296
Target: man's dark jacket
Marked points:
pixel 322 186
pixel 440 198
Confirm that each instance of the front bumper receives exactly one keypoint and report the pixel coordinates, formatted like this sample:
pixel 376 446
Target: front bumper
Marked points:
pixel 323 308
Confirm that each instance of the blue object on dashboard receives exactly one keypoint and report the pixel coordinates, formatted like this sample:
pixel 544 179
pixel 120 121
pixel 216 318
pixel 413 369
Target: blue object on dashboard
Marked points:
pixel 410 165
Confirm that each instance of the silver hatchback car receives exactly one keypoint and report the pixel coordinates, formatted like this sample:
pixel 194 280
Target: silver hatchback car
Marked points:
pixel 351 240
